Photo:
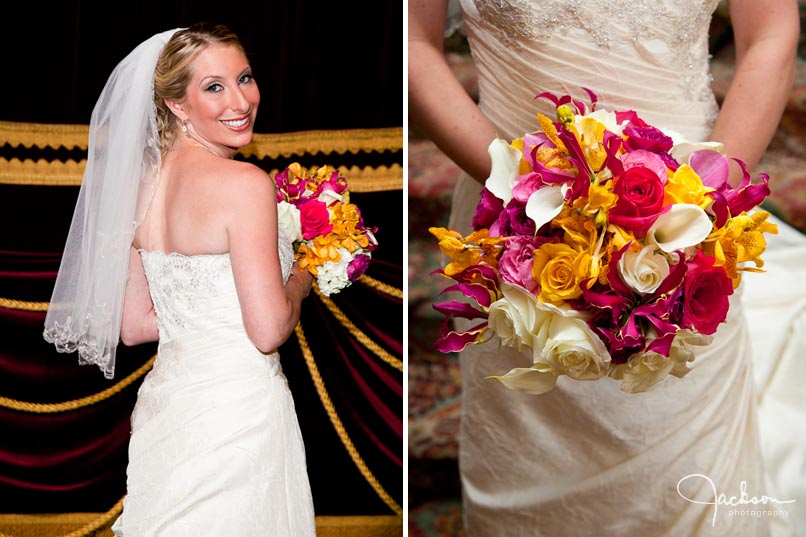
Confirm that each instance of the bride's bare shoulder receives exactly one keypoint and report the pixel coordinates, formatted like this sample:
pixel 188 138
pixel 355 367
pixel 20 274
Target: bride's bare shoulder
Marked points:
pixel 234 180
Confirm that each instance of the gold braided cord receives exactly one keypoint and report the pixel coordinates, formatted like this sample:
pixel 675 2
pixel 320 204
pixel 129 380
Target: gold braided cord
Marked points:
pixel 11 304
pixel 358 334
pixel 70 173
pixel 380 286
pixel 274 145
pixel 51 408
pixel 93 525
pixel 337 424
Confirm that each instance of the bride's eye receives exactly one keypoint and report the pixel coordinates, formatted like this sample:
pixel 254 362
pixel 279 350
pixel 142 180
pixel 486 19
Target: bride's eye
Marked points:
pixel 245 78
pixel 214 88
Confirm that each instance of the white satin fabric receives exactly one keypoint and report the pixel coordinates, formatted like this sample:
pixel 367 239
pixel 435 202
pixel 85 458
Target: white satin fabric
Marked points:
pixel 586 458
pixel 216 447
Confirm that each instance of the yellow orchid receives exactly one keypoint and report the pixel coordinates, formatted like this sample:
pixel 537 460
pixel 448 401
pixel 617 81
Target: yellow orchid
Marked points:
pixel 464 252
pixel 740 240
pixel 552 157
pixel 346 220
pixel 590 134
pixel 317 253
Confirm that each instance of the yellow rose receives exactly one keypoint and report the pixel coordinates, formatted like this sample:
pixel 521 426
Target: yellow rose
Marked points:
pixel 560 269
pixel 685 186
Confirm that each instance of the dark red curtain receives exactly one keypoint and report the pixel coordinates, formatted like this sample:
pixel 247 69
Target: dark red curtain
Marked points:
pixel 328 66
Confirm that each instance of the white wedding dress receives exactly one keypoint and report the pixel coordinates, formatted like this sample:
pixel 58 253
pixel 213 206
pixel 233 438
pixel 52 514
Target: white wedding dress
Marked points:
pixel 587 459
pixel 216 447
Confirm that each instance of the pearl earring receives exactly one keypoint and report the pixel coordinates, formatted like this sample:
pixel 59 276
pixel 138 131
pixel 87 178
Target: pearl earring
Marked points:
pixel 185 126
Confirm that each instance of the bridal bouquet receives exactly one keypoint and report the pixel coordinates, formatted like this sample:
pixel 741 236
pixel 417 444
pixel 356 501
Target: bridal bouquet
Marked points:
pixel 330 238
pixel 603 246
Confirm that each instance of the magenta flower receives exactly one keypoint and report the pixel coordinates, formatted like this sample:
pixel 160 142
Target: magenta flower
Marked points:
pixel 640 200
pixel 315 219
pixel 705 295
pixel 515 263
pixel 647 138
pixel 357 267
pixel 487 210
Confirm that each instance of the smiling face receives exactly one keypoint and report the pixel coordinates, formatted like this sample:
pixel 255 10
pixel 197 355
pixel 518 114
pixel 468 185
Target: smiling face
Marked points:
pixel 221 100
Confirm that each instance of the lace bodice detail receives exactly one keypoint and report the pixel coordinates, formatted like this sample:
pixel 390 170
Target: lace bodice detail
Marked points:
pixel 197 292
pixel 624 50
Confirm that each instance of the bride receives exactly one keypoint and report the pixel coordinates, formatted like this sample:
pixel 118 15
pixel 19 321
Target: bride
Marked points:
pixel 173 239
pixel 585 458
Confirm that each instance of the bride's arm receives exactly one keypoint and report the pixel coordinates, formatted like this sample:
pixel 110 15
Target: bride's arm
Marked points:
pixel 270 308
pixel 139 323
pixel 438 103
pixel 766 34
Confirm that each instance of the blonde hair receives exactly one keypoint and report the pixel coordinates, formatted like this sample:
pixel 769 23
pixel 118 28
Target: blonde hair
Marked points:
pixel 174 70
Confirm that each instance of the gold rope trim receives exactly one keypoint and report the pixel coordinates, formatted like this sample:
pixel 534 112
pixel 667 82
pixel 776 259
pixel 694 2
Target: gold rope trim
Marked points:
pixel 50 408
pixel 337 424
pixel 380 286
pixel 287 144
pixel 70 173
pixel 358 334
pixel 92 526
pixel 44 134
pixel 273 145
pixel 10 303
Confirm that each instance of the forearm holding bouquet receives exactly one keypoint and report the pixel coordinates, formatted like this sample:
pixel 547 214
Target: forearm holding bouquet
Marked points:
pixel 603 246
pixel 330 238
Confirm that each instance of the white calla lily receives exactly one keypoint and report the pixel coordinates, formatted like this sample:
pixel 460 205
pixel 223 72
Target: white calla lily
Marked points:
pixel 535 380
pixel 546 203
pixel 683 225
pixel 505 162
pixel 681 151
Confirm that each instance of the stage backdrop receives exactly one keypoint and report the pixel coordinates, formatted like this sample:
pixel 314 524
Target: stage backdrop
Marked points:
pixel 331 84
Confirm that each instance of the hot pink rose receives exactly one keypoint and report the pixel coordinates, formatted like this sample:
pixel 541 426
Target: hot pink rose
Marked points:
pixel 706 289
pixel 649 138
pixel 640 200
pixel 315 219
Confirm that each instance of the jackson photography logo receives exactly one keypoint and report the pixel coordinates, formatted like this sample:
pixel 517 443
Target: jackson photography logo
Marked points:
pixel 738 506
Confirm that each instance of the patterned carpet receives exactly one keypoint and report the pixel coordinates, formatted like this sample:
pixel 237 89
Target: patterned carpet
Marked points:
pixel 434 378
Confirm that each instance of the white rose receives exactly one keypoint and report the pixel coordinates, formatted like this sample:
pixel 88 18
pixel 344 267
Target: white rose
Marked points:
pixel 288 220
pixel 517 318
pixel 682 350
pixel 573 349
pixel 643 370
pixel 643 271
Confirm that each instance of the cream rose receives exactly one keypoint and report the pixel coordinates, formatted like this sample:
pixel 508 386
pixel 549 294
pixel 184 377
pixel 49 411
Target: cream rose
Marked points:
pixel 288 220
pixel 517 318
pixel 682 350
pixel 643 370
pixel 643 271
pixel 572 349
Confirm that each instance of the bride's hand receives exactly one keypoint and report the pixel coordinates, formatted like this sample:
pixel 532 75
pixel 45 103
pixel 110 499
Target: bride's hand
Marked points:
pixel 305 279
